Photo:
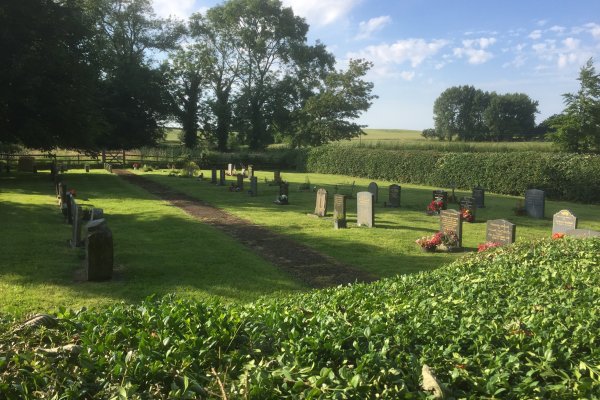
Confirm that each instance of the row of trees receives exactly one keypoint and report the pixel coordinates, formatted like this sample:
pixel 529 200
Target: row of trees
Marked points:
pixel 84 74
pixel 470 114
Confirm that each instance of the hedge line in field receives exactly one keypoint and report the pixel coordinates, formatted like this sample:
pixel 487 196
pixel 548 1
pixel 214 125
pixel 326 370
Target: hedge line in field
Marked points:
pixel 517 323
pixel 563 176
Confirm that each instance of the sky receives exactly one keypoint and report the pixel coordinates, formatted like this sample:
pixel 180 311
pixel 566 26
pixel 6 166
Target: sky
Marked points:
pixel 421 48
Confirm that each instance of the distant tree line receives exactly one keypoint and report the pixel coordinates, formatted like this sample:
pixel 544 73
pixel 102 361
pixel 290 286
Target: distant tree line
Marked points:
pixel 469 114
pixel 92 74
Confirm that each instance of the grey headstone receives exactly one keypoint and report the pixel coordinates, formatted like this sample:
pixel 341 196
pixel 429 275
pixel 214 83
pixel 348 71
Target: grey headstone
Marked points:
pixel 582 233
pixel 468 203
pixel 394 195
pixel 374 189
pixel 339 211
pixel 93 226
pixel 221 177
pixel 77 222
pixel 99 255
pixel 478 195
pixel 254 186
pixel 564 221
pixel 500 231
pixel 321 203
pixel 213 176
pixel 441 195
pixel 90 214
pixel 365 209
pixel 240 182
pixel 535 203
pixel 450 220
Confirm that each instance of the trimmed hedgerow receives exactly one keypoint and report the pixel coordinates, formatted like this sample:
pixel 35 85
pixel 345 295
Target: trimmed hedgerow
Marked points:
pixel 563 176
pixel 516 323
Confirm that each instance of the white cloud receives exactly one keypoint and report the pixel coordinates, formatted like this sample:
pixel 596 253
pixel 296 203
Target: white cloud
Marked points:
pixel 414 51
pixel 321 12
pixel 474 50
pixel 593 29
pixel 176 8
pixel 557 29
pixel 542 22
pixel 535 35
pixel 366 29
pixel 407 75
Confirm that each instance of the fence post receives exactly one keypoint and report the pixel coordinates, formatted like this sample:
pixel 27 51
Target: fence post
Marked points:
pixel 123 158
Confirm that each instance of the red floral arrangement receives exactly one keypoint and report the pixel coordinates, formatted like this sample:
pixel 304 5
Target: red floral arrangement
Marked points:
pixel 487 245
pixel 467 215
pixel 558 235
pixel 136 165
pixel 436 205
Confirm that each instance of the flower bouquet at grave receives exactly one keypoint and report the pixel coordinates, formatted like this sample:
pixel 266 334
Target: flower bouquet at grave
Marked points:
pixel 487 245
pixel 136 166
pixel 467 215
pixel 281 200
pixel 558 235
pixel 449 240
pixel 435 206
pixel 430 243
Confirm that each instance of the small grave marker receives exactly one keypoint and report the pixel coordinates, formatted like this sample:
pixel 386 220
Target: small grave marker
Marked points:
pixel 441 195
pixel 374 189
pixel 229 169
pixel 240 182
pixel 450 220
pixel 365 209
pixel 468 208
pixel 99 255
pixel 394 195
pixel 535 203
pixel 339 211
pixel 321 203
pixel 500 231
pixel 564 221
pixel 478 195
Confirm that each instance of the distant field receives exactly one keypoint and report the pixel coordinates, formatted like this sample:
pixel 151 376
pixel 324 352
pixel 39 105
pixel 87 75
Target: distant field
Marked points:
pixel 390 134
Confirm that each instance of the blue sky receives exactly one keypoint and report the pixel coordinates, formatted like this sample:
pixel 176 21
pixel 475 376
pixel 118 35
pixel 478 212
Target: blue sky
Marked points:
pixel 421 48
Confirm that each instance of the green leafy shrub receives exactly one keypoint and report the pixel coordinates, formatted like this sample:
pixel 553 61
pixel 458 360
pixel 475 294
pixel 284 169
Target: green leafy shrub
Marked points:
pixel 562 176
pixel 517 322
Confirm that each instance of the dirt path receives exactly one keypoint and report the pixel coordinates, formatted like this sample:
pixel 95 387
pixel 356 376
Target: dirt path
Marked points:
pixel 301 262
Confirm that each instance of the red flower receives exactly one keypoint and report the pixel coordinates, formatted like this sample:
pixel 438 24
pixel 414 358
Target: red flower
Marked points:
pixel 558 235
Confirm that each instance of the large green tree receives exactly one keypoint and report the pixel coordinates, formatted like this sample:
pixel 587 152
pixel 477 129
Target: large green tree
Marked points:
pixel 577 129
pixel 508 116
pixel 458 112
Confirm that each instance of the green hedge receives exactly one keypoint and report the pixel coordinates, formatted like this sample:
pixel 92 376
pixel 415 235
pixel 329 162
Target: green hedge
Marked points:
pixel 562 176
pixel 514 323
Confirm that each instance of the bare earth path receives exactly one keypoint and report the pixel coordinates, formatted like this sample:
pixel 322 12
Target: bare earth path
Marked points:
pixel 299 261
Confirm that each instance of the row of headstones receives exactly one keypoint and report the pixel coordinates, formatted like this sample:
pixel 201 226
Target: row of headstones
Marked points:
pixel 96 236
pixel 108 167
pixel 240 178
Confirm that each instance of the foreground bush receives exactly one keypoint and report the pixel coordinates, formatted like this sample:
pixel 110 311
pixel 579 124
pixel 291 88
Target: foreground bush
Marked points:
pixel 518 322
pixel 563 176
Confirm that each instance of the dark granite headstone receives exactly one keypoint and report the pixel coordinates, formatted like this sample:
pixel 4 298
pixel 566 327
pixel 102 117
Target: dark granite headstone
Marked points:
pixel 450 220
pixel 468 203
pixel 339 211
pixel 394 195
pixel 321 203
pixel 441 195
pixel 500 231
pixel 99 255
pixel 374 189
pixel 478 195
pixel 213 176
pixel 221 177
pixel 535 203
pixel 365 209
pixel 253 186
pixel 563 221
pixel 240 182
pixel 582 233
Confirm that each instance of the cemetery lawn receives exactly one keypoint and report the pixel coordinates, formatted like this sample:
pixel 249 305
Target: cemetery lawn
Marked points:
pixel 158 249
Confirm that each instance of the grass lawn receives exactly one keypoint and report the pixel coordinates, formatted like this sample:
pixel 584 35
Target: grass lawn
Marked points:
pixel 159 249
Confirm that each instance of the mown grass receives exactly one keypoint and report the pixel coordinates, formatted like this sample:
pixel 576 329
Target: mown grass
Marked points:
pixel 158 249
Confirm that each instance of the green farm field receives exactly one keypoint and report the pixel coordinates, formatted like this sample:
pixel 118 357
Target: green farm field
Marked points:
pixel 159 249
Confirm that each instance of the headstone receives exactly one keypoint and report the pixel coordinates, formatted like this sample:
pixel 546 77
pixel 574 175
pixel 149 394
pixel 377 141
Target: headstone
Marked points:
pixel 535 202
pixel 213 176
pixel 394 195
pixel 284 188
pixel 468 203
pixel 221 177
pixel 91 214
pixel 87 168
pixel 373 188
pixel 229 169
pixel 93 226
pixel 253 186
pixel 582 233
pixel 479 195
pixel 339 211
pixel 99 255
pixel 69 209
pixel 321 203
pixel 365 209
pixel 450 220
pixel 240 182
pixel 441 195
pixel 500 231
pixel 26 164
pixel 77 222
pixel 563 221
